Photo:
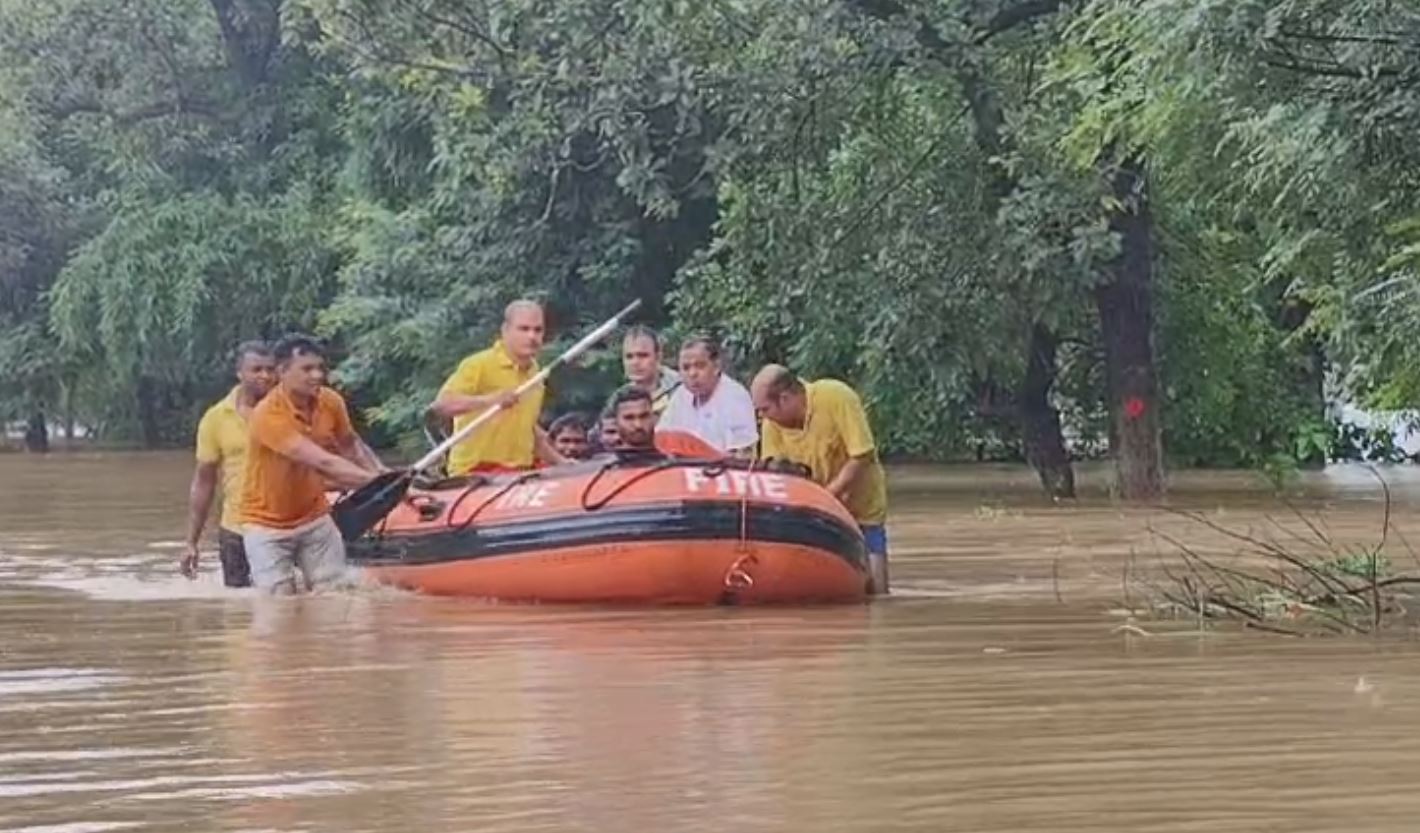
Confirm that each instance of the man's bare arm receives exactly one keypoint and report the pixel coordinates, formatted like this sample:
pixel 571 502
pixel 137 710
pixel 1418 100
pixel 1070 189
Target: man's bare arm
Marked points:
pixel 336 469
pixel 199 503
pixel 357 451
pixel 542 446
pixel 450 405
pixel 842 483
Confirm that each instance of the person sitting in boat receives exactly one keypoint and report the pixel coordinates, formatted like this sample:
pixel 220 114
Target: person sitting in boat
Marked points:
pixel 641 360
pixel 222 448
pixel 823 425
pixel 568 434
pixel 637 431
pixel 709 403
pixel 488 378
pixel 635 421
pixel 300 439
pixel 605 437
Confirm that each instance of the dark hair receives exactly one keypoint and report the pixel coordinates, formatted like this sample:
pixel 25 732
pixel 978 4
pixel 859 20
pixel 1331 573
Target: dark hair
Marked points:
pixel 642 331
pixel 296 344
pixel 576 420
pixel 629 393
pixel 251 348
pixel 709 342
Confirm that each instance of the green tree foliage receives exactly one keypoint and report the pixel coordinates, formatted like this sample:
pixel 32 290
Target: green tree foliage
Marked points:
pixel 32 233
pixel 1267 129
pixel 193 155
pixel 865 232
pixel 502 150
pixel 153 305
pixel 929 198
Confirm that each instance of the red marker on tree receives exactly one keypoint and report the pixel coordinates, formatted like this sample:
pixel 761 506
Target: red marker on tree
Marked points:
pixel 1134 407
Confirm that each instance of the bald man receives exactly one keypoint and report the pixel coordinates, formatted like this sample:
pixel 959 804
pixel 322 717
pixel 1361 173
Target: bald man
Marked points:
pixel 822 425
pixel 512 440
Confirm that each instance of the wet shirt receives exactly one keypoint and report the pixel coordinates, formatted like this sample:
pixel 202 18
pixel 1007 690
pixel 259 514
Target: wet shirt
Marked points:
pixel 278 492
pixel 507 440
pixel 222 440
pixel 835 431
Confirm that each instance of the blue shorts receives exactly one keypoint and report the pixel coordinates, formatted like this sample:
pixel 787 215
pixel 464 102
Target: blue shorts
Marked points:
pixel 875 536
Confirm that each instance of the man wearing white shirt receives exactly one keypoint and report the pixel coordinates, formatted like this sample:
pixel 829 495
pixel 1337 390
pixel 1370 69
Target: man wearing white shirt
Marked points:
pixel 709 404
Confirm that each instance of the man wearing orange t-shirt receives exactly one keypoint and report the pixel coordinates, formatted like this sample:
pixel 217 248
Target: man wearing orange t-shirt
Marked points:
pixel 301 440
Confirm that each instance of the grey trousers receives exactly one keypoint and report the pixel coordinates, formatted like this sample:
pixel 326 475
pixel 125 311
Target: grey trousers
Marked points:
pixel 313 549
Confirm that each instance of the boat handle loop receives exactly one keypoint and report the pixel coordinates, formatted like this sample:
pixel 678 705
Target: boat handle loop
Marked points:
pixel 595 505
pixel 509 486
pixel 737 577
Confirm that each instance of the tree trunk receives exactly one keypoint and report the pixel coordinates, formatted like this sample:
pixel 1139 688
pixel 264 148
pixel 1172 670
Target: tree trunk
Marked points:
pixel 37 433
pixel 1040 421
pixel 66 404
pixel 148 413
pixel 1125 304
pixel 1311 376
pixel 251 31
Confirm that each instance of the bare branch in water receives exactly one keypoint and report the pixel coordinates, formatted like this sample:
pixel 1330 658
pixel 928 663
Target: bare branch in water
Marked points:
pixel 1267 547
pixel 1292 533
pixel 1380 548
pixel 1278 629
pixel 1316 530
pixel 1273 587
pixel 1385 505
pixel 1409 549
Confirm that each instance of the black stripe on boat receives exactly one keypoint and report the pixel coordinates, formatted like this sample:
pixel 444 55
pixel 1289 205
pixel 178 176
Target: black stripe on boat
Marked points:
pixel 668 522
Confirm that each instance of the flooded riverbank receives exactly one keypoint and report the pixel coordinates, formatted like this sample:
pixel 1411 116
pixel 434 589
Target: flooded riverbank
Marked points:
pixel 994 692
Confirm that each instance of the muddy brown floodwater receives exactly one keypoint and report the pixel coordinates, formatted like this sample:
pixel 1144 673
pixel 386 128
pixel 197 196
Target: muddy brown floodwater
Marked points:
pixel 995 692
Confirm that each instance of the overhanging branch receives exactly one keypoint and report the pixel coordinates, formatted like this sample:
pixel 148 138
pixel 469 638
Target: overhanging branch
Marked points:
pixel 930 38
pixel 1303 66
pixel 1017 15
pixel 926 34
pixel 133 115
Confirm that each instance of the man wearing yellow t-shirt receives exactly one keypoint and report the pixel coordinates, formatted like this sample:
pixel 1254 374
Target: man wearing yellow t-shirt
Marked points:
pixel 513 439
pixel 822 425
pixel 222 448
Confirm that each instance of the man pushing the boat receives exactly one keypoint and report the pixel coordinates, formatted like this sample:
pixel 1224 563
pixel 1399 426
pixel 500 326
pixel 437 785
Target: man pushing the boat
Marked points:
pixel 300 439
pixel 822 425
pixel 489 378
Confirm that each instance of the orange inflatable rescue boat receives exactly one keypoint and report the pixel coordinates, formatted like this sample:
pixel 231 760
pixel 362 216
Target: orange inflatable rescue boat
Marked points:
pixel 644 528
